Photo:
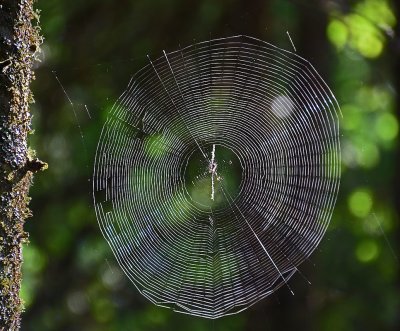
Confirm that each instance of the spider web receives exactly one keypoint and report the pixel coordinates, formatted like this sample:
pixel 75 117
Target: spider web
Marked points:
pixel 216 174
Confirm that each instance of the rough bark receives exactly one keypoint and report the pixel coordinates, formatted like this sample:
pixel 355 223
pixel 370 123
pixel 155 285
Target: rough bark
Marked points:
pixel 19 41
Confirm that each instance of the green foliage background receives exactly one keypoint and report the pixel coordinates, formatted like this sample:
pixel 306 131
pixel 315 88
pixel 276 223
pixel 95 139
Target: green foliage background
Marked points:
pixel 71 280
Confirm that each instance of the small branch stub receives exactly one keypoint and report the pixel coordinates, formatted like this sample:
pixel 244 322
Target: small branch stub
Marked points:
pixel 36 165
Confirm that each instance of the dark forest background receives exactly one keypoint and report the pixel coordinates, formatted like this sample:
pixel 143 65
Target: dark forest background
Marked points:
pixel 71 280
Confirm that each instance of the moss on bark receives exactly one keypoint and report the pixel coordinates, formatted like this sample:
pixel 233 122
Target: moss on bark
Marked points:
pixel 19 41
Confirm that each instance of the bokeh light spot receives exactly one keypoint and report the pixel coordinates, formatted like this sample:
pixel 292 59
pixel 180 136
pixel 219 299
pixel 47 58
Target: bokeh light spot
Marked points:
pixel 282 106
pixel 377 11
pixel 337 33
pixel 364 36
pixel 367 251
pixel 369 46
pixel 156 146
pixel 360 202
pixel 352 117
pixel 386 127
pixel 368 155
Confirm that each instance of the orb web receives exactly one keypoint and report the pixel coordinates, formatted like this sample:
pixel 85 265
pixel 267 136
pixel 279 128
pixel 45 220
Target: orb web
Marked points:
pixel 216 174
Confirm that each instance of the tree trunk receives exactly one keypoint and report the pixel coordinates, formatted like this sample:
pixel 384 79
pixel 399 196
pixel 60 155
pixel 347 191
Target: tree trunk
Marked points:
pixel 19 41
